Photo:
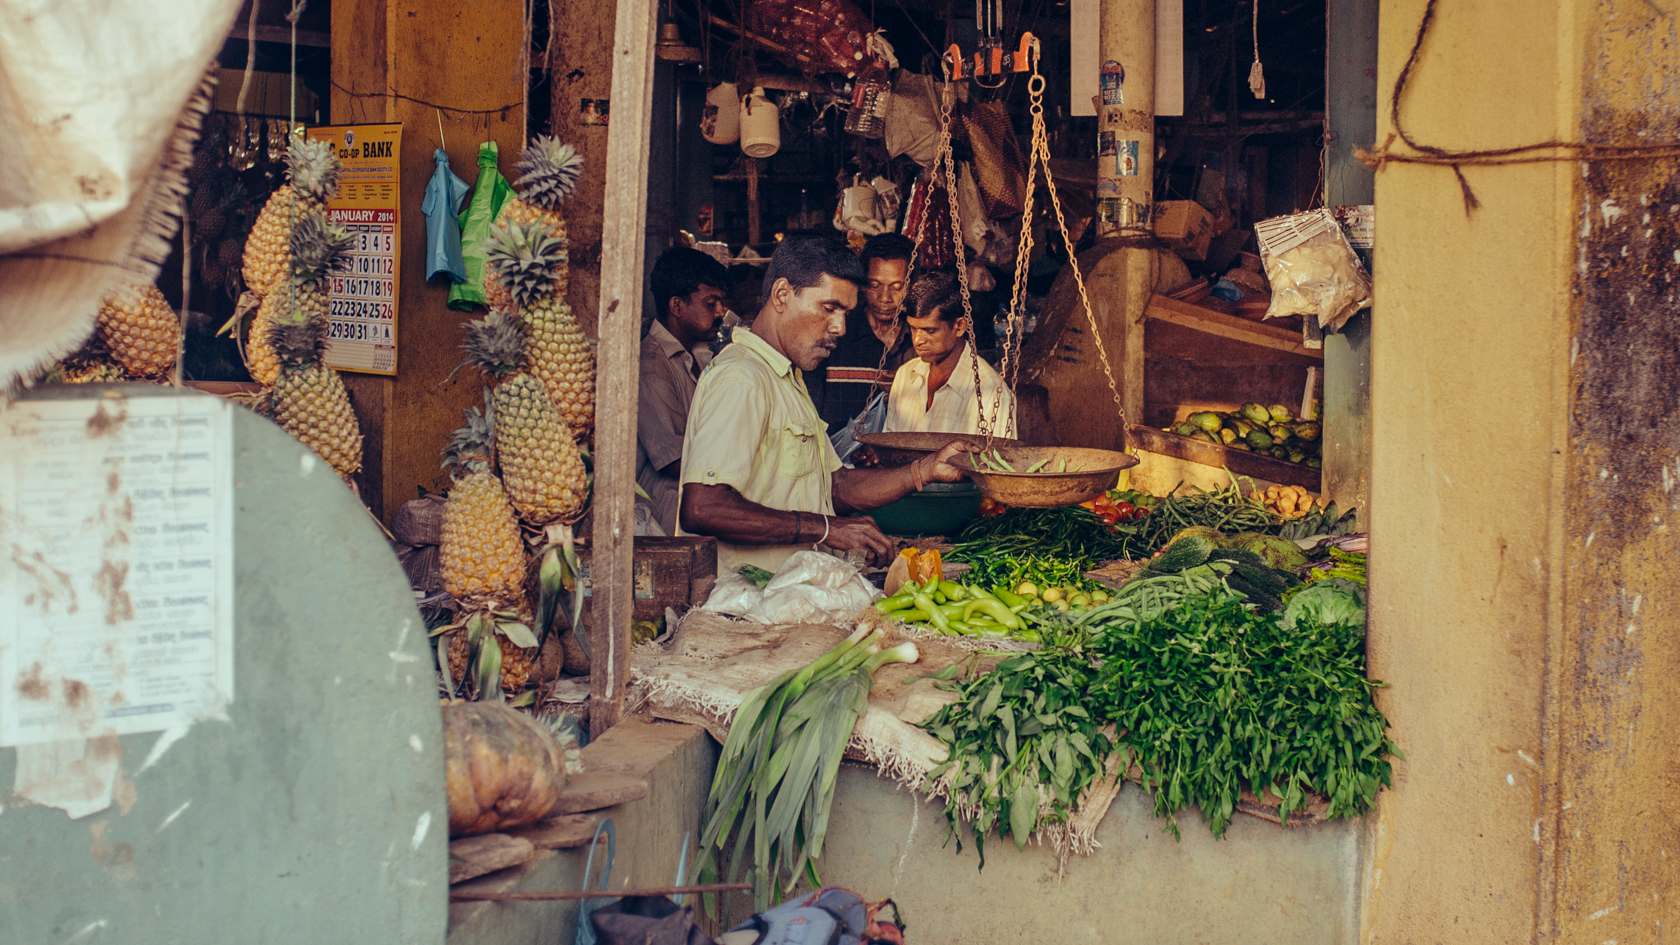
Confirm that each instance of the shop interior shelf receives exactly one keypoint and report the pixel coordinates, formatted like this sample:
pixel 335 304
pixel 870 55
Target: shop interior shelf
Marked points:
pixel 1188 315
pixel 1237 461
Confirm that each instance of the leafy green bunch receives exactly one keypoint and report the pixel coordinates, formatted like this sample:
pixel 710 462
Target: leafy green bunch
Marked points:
pixel 1016 735
pixel 1212 696
pixel 775 779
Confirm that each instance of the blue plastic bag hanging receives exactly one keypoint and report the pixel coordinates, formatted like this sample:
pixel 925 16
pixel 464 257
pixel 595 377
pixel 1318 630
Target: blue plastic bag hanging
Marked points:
pixel 443 227
pixel 489 193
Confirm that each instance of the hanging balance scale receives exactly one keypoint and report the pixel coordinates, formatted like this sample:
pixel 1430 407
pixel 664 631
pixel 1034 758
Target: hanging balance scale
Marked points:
pixel 1013 475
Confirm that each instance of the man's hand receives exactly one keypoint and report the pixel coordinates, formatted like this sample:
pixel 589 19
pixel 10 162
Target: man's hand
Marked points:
pixel 942 468
pixel 860 534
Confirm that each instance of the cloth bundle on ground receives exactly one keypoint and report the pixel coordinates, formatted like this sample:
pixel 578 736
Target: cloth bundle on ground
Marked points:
pixel 100 104
pixel 827 916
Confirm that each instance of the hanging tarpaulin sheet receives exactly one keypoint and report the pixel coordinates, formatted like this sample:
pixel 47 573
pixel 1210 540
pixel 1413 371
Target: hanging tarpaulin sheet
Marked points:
pixel 98 132
pixel 363 298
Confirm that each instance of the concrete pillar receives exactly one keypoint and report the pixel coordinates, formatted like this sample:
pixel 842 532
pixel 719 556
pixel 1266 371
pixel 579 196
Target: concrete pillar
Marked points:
pixel 1350 114
pixel 389 60
pixel 1526 564
pixel 1126 112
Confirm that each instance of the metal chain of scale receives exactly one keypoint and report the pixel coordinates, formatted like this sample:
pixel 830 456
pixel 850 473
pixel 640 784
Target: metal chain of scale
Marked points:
pixel 943 157
pixel 1014 337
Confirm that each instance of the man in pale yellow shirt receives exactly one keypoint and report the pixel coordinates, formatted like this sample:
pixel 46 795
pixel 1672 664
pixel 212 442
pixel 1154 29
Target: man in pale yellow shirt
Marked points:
pixel 935 392
pixel 758 470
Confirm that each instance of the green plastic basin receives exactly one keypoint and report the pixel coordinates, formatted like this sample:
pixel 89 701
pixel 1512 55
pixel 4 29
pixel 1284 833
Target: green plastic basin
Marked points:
pixel 941 508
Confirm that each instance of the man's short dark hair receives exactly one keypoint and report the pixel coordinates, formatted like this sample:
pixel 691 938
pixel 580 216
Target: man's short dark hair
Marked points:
pixel 680 272
pixel 934 295
pixel 804 258
pixel 887 246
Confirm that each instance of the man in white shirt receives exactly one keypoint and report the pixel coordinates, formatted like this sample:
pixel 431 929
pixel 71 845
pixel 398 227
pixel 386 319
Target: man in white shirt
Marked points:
pixel 935 392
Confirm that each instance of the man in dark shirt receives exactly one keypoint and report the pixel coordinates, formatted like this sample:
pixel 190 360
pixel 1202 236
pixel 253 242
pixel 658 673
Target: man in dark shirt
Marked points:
pixel 841 386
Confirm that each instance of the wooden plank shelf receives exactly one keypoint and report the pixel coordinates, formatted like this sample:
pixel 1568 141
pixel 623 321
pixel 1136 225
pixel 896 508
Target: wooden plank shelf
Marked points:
pixel 1190 315
pixel 1240 462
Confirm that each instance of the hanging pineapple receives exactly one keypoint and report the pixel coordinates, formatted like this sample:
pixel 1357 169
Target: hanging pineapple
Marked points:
pixel 540 463
pixel 482 564
pixel 312 172
pixel 308 399
pixel 140 330
pixel 261 359
pixel 548 173
pixel 526 261
pixel 91 365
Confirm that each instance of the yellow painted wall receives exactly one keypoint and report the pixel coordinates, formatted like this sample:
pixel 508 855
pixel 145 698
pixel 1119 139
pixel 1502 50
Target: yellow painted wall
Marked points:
pixel 1524 383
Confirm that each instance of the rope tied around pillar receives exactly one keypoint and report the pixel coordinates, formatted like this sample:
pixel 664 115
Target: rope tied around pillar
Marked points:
pixel 1553 151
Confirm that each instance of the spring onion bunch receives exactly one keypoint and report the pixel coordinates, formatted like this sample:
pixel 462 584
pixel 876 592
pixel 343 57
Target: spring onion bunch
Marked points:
pixel 775 778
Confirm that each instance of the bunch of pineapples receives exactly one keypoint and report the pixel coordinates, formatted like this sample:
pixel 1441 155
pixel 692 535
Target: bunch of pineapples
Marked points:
pixel 540 374
pixel 292 252
pixel 137 338
pixel 312 172
pixel 561 356
pixel 482 561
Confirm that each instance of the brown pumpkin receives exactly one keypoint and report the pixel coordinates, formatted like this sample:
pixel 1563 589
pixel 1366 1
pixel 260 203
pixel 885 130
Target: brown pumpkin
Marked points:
pixel 503 768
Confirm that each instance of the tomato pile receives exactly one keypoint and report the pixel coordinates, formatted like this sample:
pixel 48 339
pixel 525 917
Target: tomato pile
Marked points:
pixel 1114 507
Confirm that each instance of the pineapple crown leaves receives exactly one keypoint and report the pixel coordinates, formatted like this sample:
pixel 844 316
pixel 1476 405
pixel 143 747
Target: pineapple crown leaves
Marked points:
pixel 468 451
pixel 525 259
pixel 495 344
pixel 548 172
pixel 300 343
pixel 318 247
pixel 313 168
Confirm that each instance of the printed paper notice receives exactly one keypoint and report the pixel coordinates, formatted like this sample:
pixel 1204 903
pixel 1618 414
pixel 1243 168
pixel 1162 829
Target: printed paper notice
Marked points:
pixel 116 566
pixel 363 298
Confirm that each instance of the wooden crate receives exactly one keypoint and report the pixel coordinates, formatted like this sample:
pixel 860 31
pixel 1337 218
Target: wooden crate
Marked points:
pixel 669 572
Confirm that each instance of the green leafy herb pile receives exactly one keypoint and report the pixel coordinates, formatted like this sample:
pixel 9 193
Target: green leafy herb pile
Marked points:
pixel 1207 694
pixel 1213 696
pixel 1016 734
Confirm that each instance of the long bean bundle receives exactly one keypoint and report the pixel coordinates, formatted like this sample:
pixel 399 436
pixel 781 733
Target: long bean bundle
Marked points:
pixel 1075 534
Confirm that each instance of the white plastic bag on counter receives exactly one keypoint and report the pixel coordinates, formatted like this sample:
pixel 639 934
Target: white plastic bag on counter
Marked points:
pixel 733 594
pixel 813 587
pixel 1313 271
pixel 807 603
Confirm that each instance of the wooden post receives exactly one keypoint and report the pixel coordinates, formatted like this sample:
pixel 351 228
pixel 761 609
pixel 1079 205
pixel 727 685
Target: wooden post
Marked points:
pixel 754 227
pixel 619 326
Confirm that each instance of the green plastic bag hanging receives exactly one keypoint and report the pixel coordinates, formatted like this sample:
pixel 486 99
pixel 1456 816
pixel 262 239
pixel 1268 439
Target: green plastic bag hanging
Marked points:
pixel 491 191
